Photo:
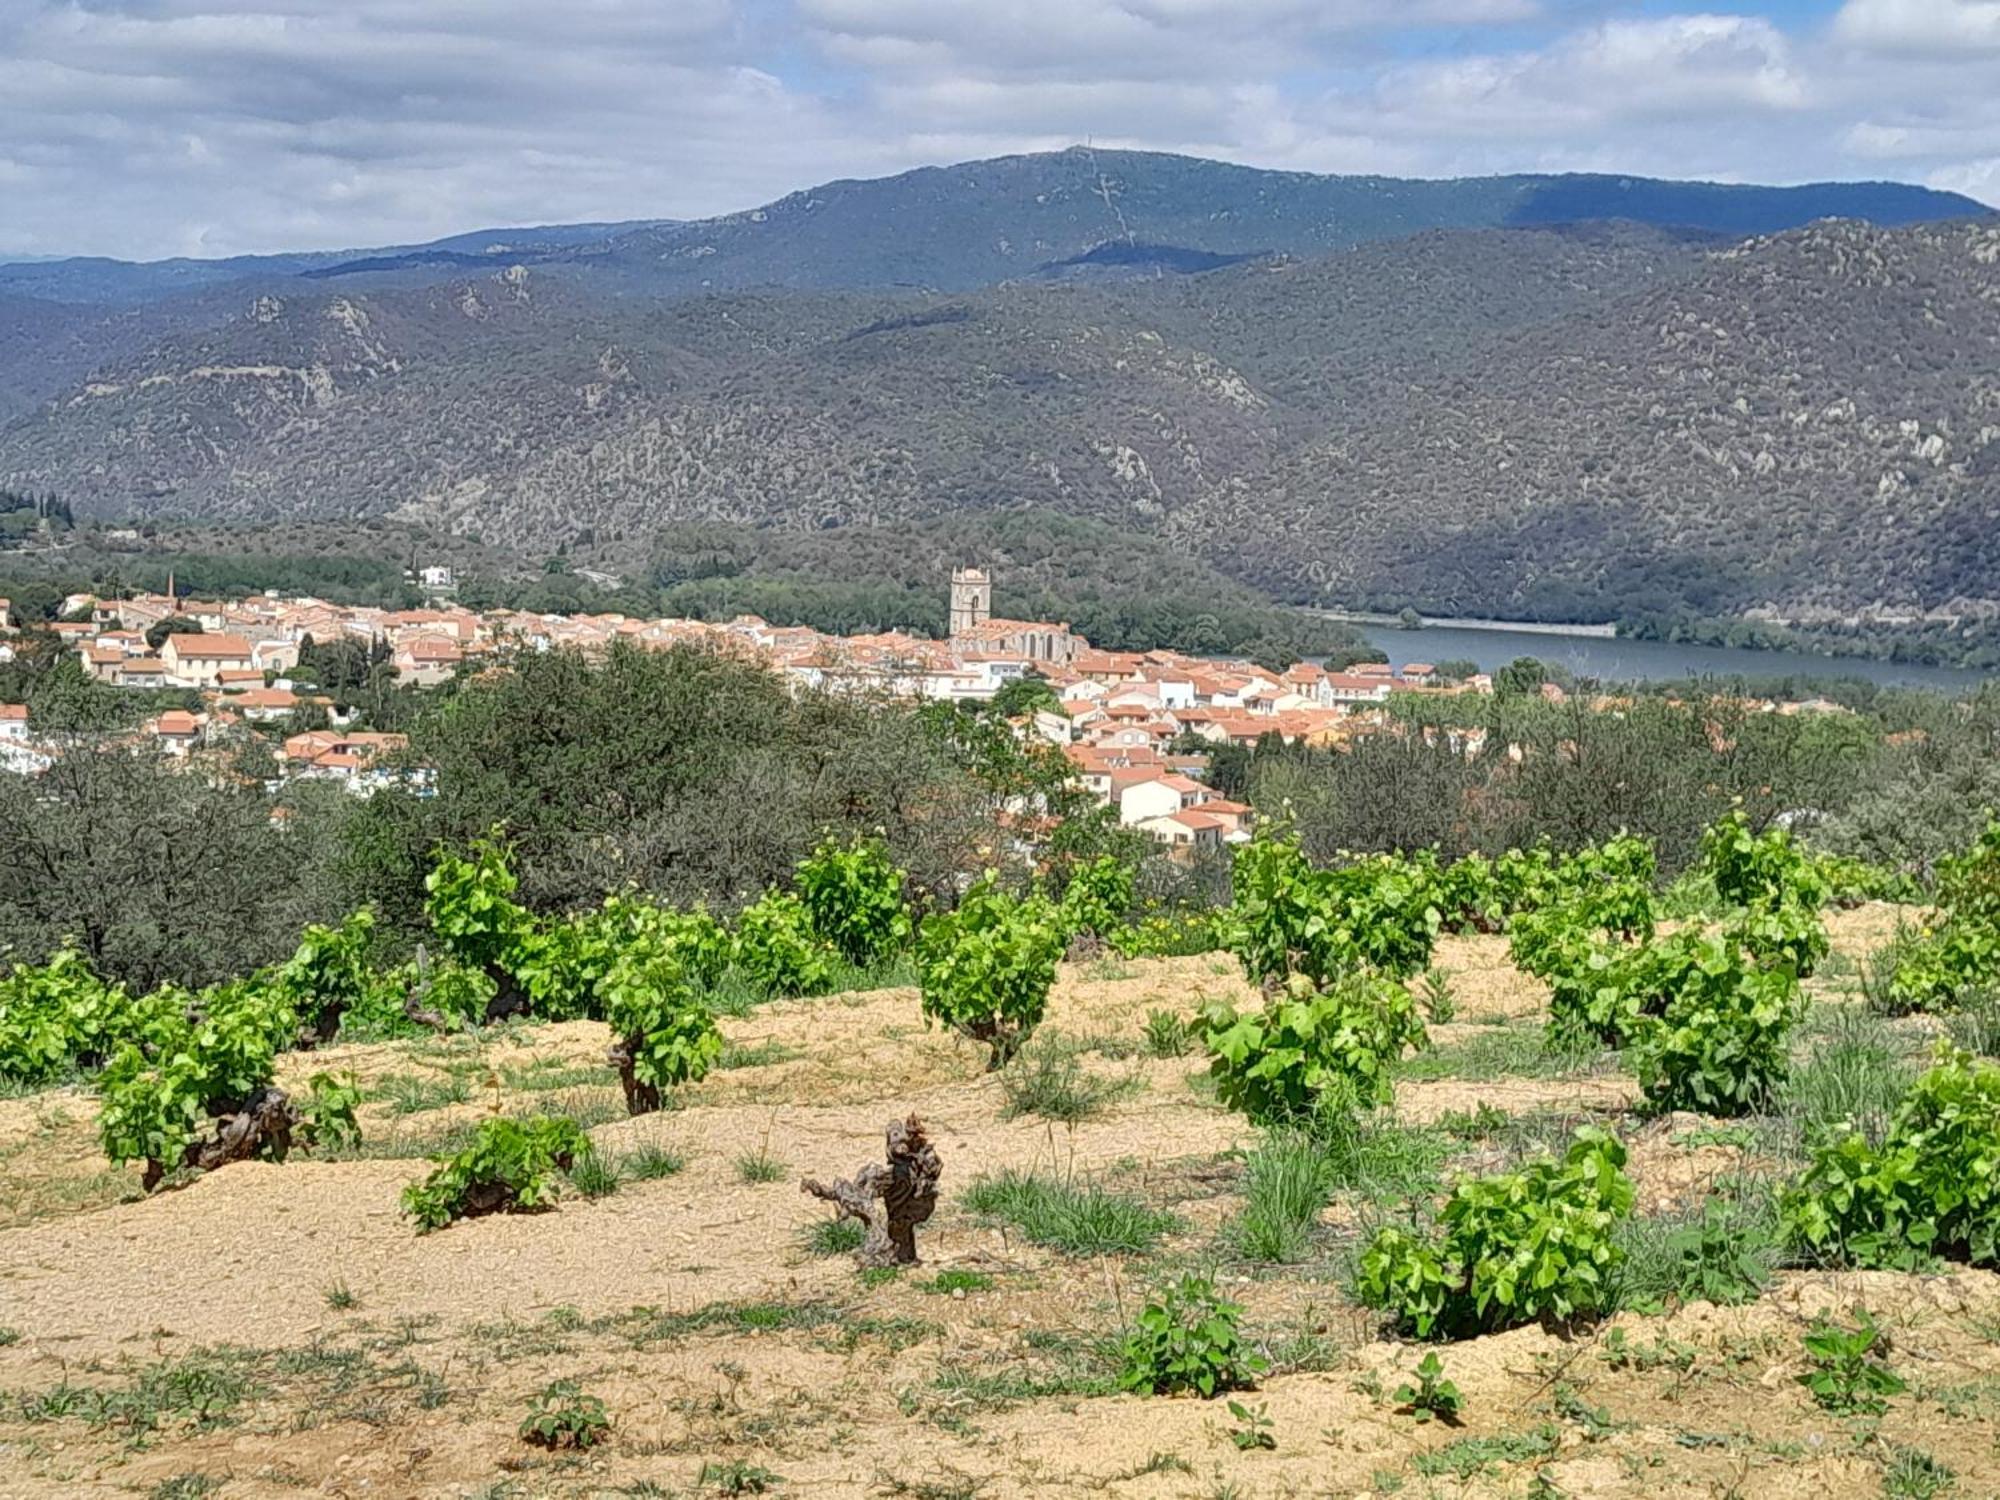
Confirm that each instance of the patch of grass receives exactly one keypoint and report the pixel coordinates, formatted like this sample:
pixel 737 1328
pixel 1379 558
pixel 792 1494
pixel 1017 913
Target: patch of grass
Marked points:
pixel 759 1166
pixel 185 1487
pixel 757 1055
pixel 1285 1185
pixel 1481 1124
pixel 340 1297
pixel 1047 1078
pixel 949 1484
pixel 1975 1024
pixel 1379 1159
pixel 1168 1034
pixel 947 1282
pixel 644 1327
pixel 1078 1219
pixel 595 1175
pixel 1722 1250
pixel 1502 1052
pixel 651 1161
pixel 1854 1072
pixel 833 1237
pixel 543 1074
pixel 415 1093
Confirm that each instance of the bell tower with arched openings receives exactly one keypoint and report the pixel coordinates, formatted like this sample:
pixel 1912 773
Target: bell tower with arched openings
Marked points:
pixel 971 599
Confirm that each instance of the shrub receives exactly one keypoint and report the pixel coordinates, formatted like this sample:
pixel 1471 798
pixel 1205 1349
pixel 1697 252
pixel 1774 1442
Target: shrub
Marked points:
pixel 1522 1246
pixel 57 1017
pixel 564 1415
pixel 1930 1189
pixel 854 894
pixel 1849 881
pixel 665 1035
pixel 329 975
pixel 193 1087
pixel 1609 886
pixel 1959 951
pixel 1760 869
pixel 1187 1340
pixel 1721 1047
pixel 470 906
pixel 511 1166
pixel 1785 932
pixel 1098 898
pixel 1609 992
pixel 1550 942
pixel 1290 917
pixel 986 968
pixel 1283 1062
pixel 776 949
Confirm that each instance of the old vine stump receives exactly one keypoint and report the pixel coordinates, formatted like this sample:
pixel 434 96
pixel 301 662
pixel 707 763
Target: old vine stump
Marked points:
pixel 262 1126
pixel 906 1189
pixel 641 1098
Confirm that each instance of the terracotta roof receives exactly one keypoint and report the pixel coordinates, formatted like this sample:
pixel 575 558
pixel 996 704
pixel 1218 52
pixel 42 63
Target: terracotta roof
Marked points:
pixel 208 647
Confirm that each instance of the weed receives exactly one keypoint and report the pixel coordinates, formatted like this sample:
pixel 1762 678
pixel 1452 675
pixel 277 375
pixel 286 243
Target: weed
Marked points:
pixel 1253 1427
pixel 595 1175
pixel 1475 1455
pixel 1726 1256
pixel 650 1162
pixel 833 1237
pixel 1187 1340
pixel 1845 1376
pixel 340 1297
pixel 1167 1034
pixel 185 1487
pixel 1047 1078
pixel 1503 1052
pixel 1439 1005
pixel 1480 1124
pixel 1912 1474
pixel 1853 1075
pixel 1432 1395
pixel 949 1282
pixel 759 1166
pixel 760 1055
pixel 737 1478
pixel 414 1094
pixel 1286 1181
pixel 1080 1219
pixel 564 1415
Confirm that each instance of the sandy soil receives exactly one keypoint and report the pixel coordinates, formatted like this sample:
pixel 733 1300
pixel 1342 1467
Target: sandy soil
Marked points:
pixel 269 1330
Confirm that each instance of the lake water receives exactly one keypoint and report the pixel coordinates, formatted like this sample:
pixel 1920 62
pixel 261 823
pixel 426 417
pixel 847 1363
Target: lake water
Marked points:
pixel 1615 660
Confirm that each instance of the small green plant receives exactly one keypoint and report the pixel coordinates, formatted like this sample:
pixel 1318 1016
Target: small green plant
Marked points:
pixel 340 1297
pixel 1440 1006
pixel 1167 1034
pixel 665 1034
pixel 511 1166
pixel 1281 1063
pixel 595 1175
pixel 651 1161
pixel 1286 1181
pixel 986 969
pixel 564 1415
pixel 1253 1427
pixel 1846 1376
pixel 854 895
pixel 759 1166
pixel 1912 1474
pixel 834 1237
pixel 1047 1078
pixel 1186 1339
pixel 1518 1247
pixel 1432 1395
pixel 1097 898
pixel 947 1283
pixel 737 1478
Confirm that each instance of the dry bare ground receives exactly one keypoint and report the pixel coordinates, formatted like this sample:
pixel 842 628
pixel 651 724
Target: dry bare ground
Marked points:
pixel 270 1330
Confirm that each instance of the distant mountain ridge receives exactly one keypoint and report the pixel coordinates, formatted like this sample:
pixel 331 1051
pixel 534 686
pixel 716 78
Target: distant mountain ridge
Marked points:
pixel 1575 421
pixel 977 223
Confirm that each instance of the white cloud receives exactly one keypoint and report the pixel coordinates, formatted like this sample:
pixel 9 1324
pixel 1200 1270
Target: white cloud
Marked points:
pixel 1947 29
pixel 221 126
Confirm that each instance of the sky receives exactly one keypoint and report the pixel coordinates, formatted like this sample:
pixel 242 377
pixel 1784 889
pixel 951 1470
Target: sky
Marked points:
pixel 153 128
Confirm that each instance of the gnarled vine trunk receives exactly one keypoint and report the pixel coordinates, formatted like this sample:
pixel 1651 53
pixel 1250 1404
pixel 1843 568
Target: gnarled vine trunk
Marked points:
pixel 641 1098
pixel 262 1127
pixel 890 1200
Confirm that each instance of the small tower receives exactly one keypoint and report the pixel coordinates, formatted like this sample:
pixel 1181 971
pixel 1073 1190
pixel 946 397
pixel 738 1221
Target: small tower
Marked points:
pixel 971 599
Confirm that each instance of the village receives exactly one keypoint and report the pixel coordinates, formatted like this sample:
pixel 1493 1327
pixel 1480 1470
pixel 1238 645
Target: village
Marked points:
pixel 1138 727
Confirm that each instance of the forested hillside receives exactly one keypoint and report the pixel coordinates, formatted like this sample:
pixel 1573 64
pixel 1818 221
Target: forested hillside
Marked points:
pixel 1580 421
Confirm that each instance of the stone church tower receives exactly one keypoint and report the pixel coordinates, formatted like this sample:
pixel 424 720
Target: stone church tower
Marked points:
pixel 971 599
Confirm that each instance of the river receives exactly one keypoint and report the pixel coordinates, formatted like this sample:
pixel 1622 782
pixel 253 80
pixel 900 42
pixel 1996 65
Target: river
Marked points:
pixel 1618 660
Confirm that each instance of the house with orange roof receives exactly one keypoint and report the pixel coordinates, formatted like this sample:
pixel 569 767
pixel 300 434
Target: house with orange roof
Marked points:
pixel 200 660
pixel 177 731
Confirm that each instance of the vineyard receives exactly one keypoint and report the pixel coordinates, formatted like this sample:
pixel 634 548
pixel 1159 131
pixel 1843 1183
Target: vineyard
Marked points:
pixel 1531 1175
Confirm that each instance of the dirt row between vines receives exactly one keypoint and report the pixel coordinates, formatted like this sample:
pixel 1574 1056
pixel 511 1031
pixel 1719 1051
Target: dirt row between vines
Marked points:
pixel 276 1329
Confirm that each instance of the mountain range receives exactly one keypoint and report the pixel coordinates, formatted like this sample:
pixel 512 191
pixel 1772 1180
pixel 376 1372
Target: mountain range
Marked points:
pixel 1571 397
